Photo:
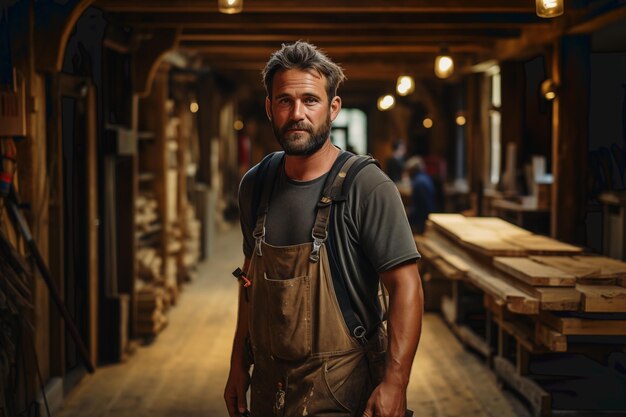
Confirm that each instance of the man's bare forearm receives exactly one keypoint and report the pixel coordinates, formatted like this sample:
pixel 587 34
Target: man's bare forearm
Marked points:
pixel 404 321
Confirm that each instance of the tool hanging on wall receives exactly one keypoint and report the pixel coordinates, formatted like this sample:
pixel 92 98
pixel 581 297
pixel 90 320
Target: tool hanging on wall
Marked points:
pixel 13 206
pixel 7 168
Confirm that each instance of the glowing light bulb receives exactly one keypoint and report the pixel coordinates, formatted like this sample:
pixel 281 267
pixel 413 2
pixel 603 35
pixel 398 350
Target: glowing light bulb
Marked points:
pixel 230 6
pixel 386 102
pixel 405 85
pixel 428 122
pixel 549 8
pixel 194 107
pixel 444 66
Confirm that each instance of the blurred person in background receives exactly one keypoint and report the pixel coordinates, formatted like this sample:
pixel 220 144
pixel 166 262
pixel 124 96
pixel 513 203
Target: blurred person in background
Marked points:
pixel 423 194
pixel 395 164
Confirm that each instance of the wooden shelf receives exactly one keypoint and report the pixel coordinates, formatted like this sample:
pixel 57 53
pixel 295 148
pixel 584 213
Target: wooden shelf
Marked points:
pixel 146 176
pixel 144 135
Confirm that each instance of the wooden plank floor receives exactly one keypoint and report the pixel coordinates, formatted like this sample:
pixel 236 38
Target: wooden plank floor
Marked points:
pixel 183 372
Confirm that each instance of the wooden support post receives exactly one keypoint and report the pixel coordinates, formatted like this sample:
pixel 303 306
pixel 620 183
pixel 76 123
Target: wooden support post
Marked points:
pixel 55 225
pixel 570 128
pixel 522 360
pixel 504 345
pixel 475 140
pixel 512 110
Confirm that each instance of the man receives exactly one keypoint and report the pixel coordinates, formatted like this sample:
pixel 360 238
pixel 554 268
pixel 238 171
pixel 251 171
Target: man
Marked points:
pixel 423 194
pixel 314 351
pixel 395 164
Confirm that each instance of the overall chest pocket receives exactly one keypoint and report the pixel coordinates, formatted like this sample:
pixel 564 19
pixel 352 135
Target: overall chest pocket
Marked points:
pixel 289 317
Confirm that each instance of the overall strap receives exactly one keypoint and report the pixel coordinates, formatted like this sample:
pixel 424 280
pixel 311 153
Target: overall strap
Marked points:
pixel 264 184
pixel 338 195
pixel 333 185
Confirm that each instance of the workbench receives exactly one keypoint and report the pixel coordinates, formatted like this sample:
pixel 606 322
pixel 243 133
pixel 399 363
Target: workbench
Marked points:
pixel 549 319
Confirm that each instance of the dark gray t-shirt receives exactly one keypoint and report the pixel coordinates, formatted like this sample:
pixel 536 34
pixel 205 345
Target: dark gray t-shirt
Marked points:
pixel 371 228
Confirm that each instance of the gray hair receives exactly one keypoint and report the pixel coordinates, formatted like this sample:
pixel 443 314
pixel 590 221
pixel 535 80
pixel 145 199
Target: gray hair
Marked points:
pixel 303 56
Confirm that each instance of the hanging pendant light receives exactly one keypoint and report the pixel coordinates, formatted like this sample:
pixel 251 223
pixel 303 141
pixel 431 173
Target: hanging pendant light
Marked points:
pixel 444 65
pixel 230 6
pixel 405 85
pixel 386 102
pixel 549 89
pixel 549 8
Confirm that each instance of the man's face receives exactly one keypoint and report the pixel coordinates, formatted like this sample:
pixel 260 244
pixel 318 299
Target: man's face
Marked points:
pixel 300 112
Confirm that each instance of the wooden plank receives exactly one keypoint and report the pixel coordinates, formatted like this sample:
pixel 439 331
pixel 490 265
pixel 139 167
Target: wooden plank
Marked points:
pixel 603 299
pixel 557 298
pixel 487 278
pixel 589 270
pixel 550 338
pixel 584 327
pixel 472 340
pixel 534 273
pixel 442 249
pixel 447 270
pixel 448 309
pixel 494 247
pixel 609 267
pixel 585 273
pixel 538 398
pixel 496 237
pixel 516 300
pixel 424 249
pixel 522 334
pixel 543 245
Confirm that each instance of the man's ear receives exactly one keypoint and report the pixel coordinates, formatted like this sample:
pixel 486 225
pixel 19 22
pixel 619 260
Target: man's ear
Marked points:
pixel 268 108
pixel 335 108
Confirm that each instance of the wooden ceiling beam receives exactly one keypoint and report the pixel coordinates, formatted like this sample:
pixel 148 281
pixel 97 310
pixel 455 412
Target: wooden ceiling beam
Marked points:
pixel 334 51
pixel 354 71
pixel 312 21
pixel 322 40
pixel 326 6
pixel 597 21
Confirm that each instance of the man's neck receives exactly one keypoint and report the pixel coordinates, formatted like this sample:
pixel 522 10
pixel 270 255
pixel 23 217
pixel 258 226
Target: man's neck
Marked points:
pixel 307 168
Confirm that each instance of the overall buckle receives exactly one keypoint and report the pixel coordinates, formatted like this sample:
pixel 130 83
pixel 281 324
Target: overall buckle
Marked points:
pixel 317 244
pixel 258 237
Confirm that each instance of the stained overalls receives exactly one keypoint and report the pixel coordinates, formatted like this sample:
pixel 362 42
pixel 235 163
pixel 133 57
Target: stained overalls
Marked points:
pixel 306 362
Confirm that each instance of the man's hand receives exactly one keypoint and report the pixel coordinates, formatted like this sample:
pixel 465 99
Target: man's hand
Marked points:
pixel 387 400
pixel 404 325
pixel 235 391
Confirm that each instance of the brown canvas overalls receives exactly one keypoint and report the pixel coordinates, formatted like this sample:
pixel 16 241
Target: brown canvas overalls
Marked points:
pixel 305 360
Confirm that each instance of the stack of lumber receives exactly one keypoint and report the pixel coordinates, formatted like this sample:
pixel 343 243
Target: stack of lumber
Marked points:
pixel 531 275
pixel 151 317
pixel 146 220
pixel 146 212
pixel 556 303
pixel 149 265
pixel 191 255
pixel 174 244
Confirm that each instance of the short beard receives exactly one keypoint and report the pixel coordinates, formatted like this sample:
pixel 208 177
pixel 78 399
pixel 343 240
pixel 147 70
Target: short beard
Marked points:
pixel 316 140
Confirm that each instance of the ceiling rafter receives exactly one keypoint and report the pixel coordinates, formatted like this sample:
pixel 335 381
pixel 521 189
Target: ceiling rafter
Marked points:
pixel 327 6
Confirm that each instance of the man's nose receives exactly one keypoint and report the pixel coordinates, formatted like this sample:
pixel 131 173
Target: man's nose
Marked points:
pixel 298 110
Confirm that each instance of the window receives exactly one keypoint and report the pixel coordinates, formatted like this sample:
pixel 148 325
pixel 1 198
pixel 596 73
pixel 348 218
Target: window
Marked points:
pixel 495 125
pixel 350 131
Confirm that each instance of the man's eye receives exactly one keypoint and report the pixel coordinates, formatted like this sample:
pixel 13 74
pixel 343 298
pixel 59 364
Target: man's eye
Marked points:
pixel 310 100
